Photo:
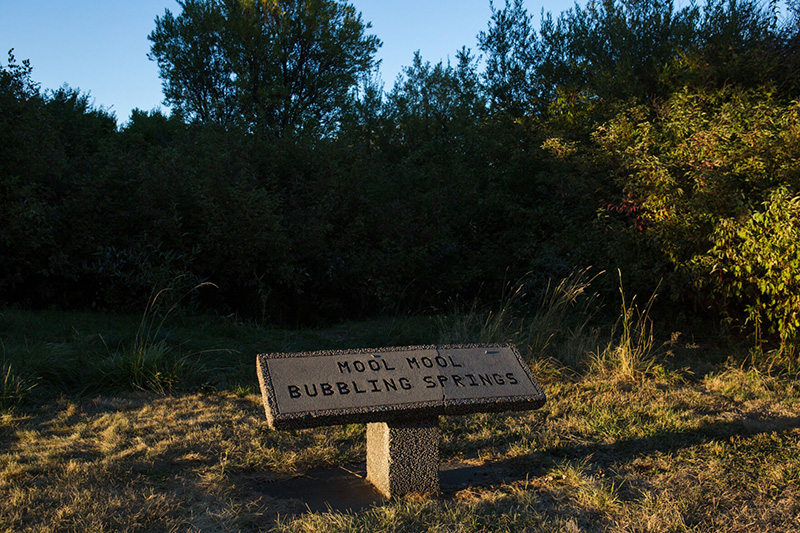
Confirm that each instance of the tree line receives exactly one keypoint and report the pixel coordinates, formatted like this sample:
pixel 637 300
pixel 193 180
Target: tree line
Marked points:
pixel 619 134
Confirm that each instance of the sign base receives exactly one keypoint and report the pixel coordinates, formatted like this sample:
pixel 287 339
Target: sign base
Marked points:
pixel 403 457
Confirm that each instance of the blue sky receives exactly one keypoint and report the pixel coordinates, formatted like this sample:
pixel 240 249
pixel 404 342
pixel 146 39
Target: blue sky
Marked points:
pixel 101 47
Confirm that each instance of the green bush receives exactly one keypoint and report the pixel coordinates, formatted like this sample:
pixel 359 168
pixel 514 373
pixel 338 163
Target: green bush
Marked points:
pixel 628 135
pixel 755 266
pixel 699 171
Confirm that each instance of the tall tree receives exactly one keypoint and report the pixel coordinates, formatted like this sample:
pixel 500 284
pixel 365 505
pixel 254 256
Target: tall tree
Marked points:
pixel 512 50
pixel 275 66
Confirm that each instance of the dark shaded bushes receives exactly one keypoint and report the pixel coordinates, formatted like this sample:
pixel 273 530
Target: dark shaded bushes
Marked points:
pixel 620 135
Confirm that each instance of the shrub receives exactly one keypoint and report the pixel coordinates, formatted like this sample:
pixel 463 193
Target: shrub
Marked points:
pixel 699 171
pixel 755 267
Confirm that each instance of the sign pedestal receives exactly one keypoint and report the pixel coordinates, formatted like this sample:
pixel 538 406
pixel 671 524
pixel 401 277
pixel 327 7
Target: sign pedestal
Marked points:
pixel 399 392
pixel 403 457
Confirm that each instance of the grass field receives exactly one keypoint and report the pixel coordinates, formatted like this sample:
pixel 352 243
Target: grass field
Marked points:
pixel 102 432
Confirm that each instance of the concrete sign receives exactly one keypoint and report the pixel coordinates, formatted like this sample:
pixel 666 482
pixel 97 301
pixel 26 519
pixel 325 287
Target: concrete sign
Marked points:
pixel 339 387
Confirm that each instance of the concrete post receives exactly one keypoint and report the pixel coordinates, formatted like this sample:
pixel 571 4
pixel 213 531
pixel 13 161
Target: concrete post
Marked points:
pixel 403 457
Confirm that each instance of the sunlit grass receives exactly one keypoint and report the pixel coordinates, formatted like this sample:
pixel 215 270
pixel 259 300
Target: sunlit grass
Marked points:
pixel 626 441
pixel 597 456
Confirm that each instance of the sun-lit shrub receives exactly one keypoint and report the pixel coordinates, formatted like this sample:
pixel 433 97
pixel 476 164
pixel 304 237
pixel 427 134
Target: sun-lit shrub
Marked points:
pixel 755 265
pixel 713 173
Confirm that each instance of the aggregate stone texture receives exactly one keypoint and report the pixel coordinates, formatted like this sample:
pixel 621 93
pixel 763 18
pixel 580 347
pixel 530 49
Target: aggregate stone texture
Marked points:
pixel 310 389
pixel 403 457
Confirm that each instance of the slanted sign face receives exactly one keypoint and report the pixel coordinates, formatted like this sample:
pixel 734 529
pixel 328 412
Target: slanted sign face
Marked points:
pixel 303 390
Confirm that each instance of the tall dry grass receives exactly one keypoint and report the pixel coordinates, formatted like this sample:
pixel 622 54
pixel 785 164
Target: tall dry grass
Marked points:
pixel 561 328
pixel 553 325
pixel 149 362
pixel 631 347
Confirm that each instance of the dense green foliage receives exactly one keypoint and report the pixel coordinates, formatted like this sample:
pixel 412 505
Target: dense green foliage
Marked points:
pixel 714 173
pixel 622 134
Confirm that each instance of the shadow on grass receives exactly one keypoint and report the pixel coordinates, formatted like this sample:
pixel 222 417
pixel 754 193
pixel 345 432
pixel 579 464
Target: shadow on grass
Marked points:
pixel 177 446
pixel 537 463
pixel 346 489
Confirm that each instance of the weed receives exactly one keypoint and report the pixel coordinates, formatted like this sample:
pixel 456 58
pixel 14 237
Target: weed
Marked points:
pixel 557 322
pixel 149 363
pixel 151 367
pixel 783 360
pixel 630 350
pixel 13 388
pixel 243 391
pixel 147 333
